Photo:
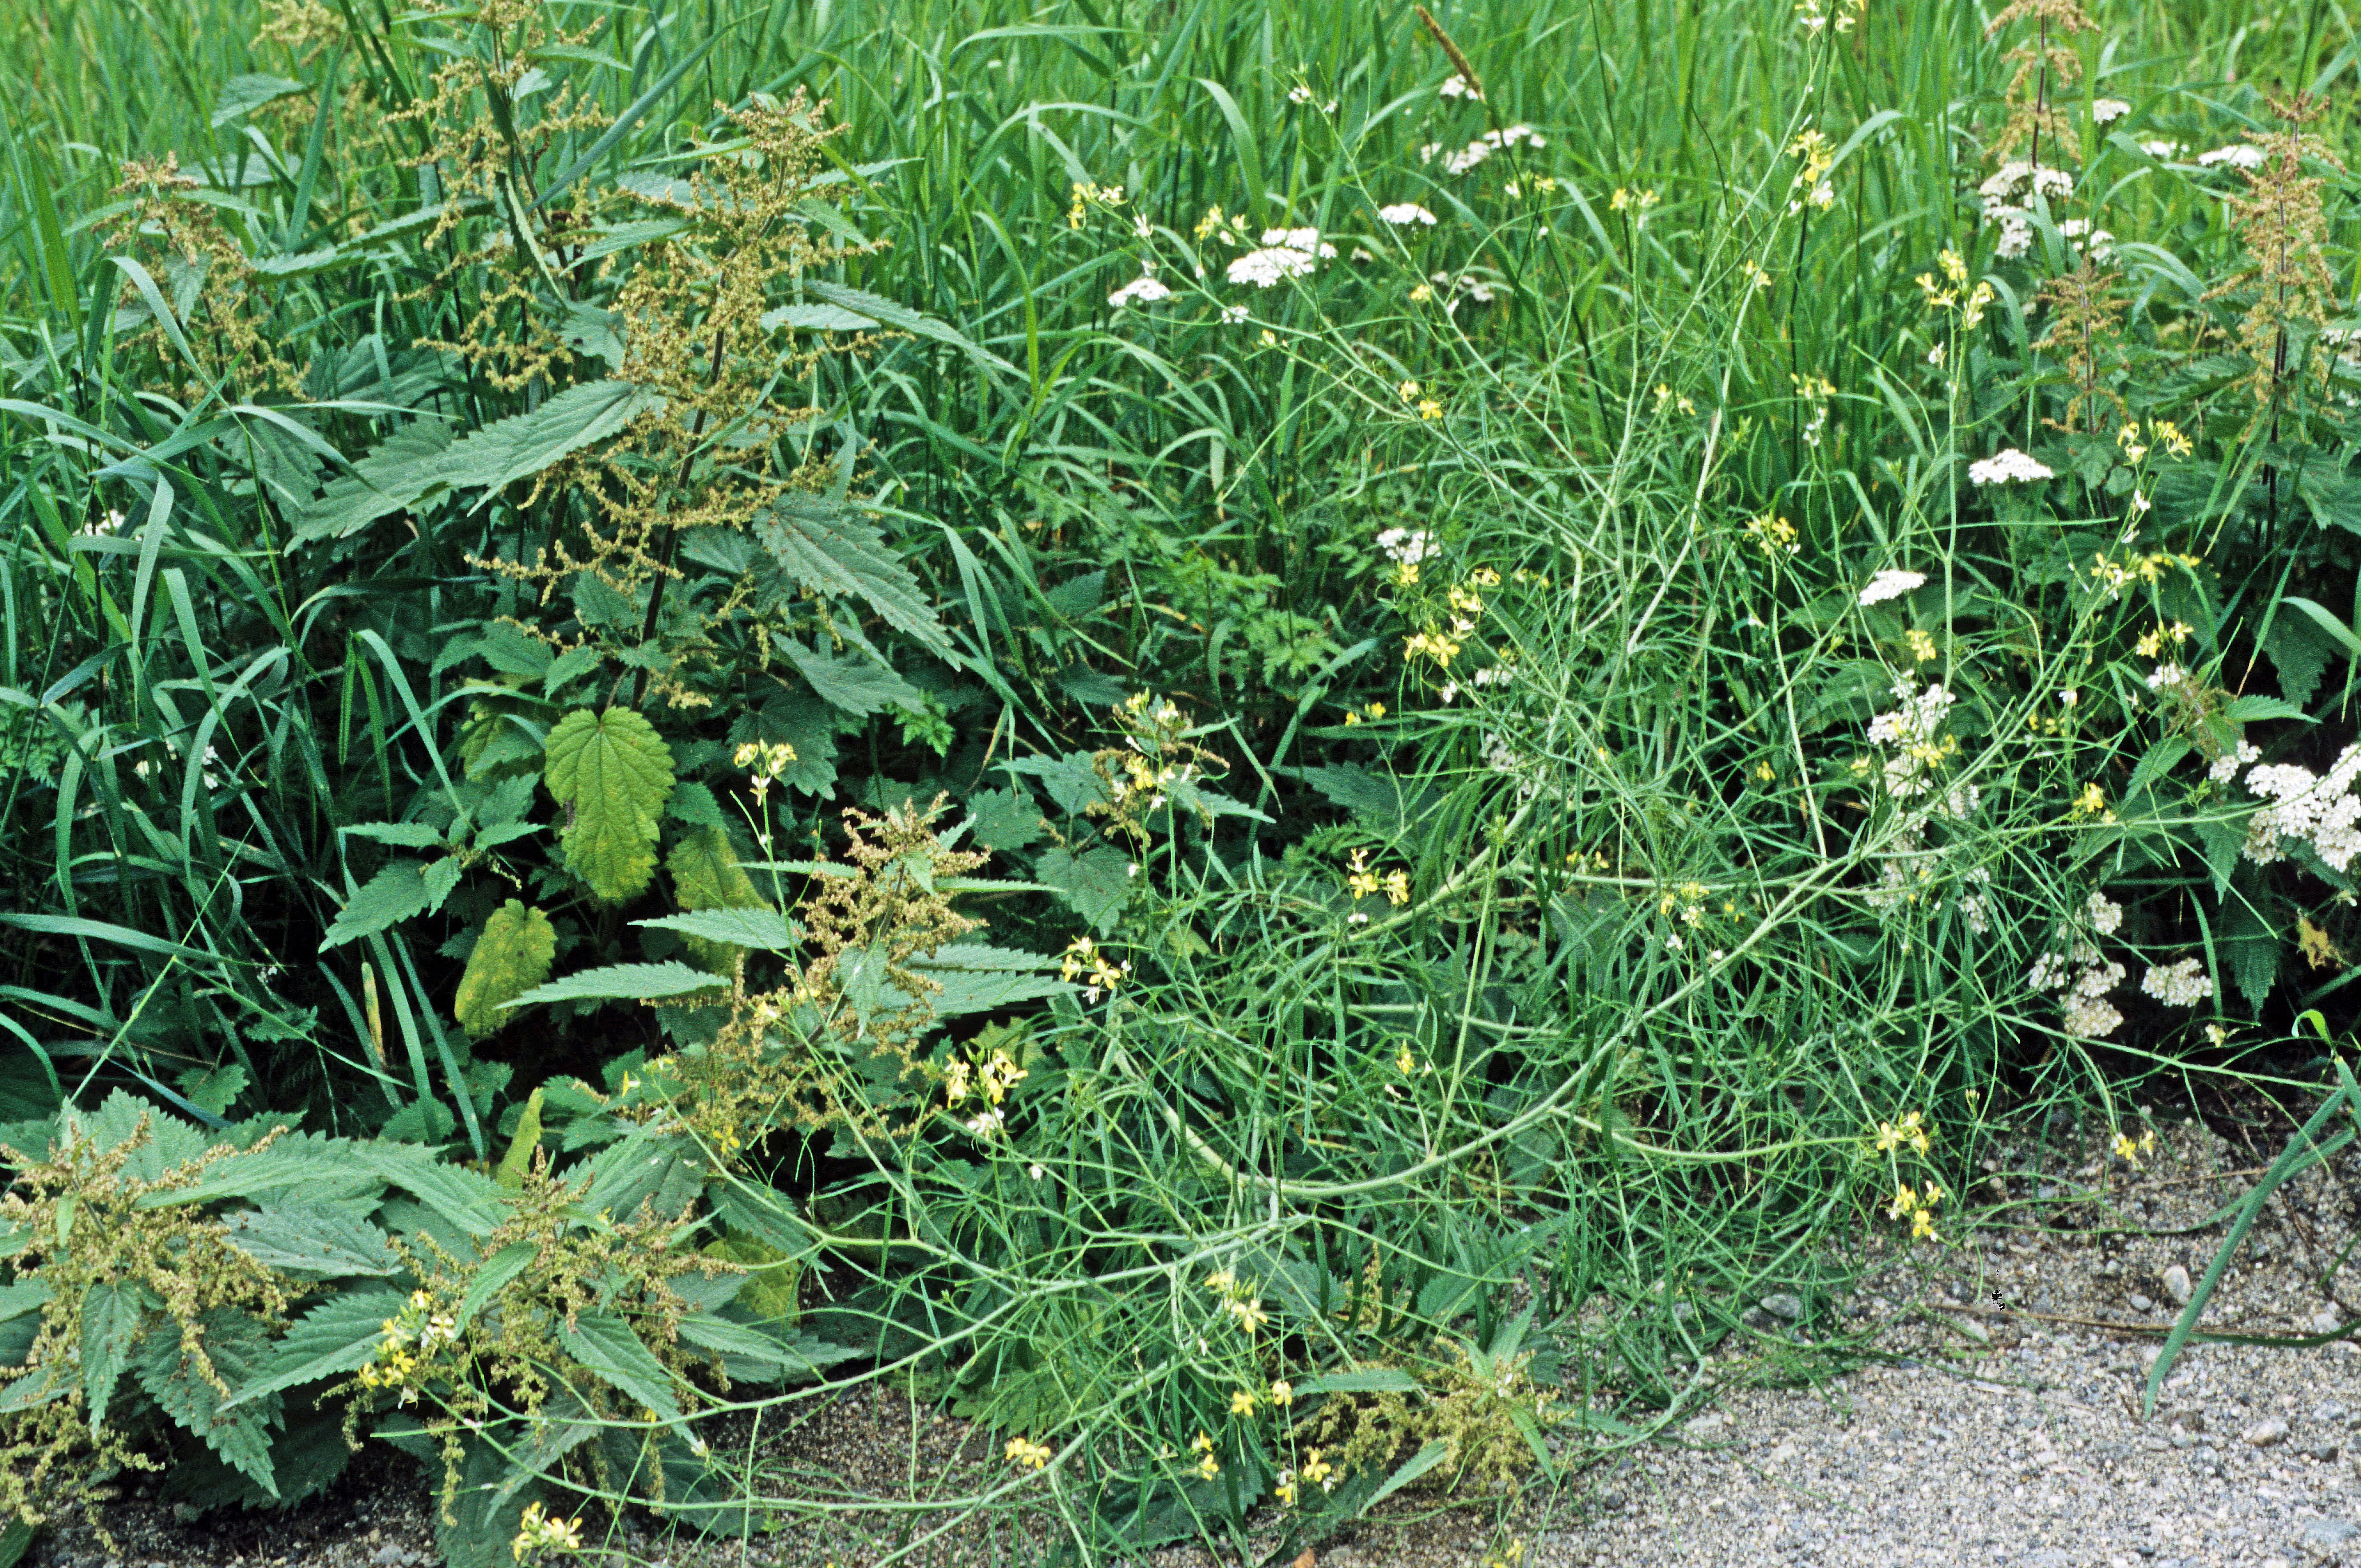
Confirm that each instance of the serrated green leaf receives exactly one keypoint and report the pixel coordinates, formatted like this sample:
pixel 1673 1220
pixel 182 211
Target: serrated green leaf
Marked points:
pixel 311 1240
pixel 1005 818
pixel 2254 709
pixel 394 895
pixel 497 454
pixel 512 956
pixel 238 1345
pixel 816 318
pixel 392 479
pixel 853 684
pixel 707 877
pixel 404 835
pixel 492 1278
pixel 901 318
pixel 244 94
pixel 614 774
pixel 333 1338
pixel 320 1169
pixel 832 549
pixel 110 1322
pixel 605 1344
pixel 765 929
pixel 165 1143
pixel 463 1198
pixel 622 982
pixel 1096 884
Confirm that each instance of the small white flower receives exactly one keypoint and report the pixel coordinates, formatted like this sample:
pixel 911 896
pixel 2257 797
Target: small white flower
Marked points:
pixel 1892 585
pixel 1146 291
pixel 1458 87
pixel 2069 697
pixel 2107 915
pixel 1402 213
pixel 1037 1172
pixel 1299 94
pixel 2162 150
pixel 1141 226
pixel 2109 109
pixel 2006 467
pixel 1233 314
pixel 2183 984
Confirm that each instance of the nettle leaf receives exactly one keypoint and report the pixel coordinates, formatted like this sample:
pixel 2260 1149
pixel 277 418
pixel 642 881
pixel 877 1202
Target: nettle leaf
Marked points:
pixel 706 876
pixel 238 1345
pixel 853 684
pixel 1096 884
pixel 500 454
pixel 832 548
pixel 393 477
pixel 622 982
pixel 312 1239
pixel 244 94
pixel 398 891
pixel 1005 818
pixel 614 774
pixel 605 1344
pixel 110 1322
pixel 334 1338
pixel 512 956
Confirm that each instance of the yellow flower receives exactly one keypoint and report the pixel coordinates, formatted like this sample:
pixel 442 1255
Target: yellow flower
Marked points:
pixel 1429 408
pixel 1025 1452
pixel 1249 1314
pixel 1242 1403
pixel 1201 1443
pixel 1922 647
pixel 1285 1490
pixel 1209 1467
pixel 1421 294
pixel 1282 1392
pixel 1408 390
pixel 1221 1280
pixel 1360 880
pixel 1320 1472
pixel 1396 887
pixel 1905 1202
pixel 2091 802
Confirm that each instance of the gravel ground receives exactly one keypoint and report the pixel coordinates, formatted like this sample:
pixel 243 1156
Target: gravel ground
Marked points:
pixel 2005 1429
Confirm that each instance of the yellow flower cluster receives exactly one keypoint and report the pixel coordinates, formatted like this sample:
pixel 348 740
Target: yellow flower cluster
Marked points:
pixel 2129 1152
pixel 1919 1209
pixel 766 762
pixel 1236 1300
pixel 1922 646
pixel 2112 577
pixel 1083 960
pixel 394 1364
pixel 1820 156
pixel 543 1532
pixel 1911 1132
pixel 1087 196
pixel 1953 293
pixel 993 1078
pixel 2152 641
pixel 1628 200
pixel 1775 535
pixel 1374 712
pixel 1362 883
pixel 2160 433
pixel 2092 802
pixel 1026 1451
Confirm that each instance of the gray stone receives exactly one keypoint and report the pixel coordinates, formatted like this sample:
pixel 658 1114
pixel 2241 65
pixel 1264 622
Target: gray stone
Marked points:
pixel 2141 1303
pixel 1709 1425
pixel 2327 1534
pixel 1781 1304
pixel 2263 1433
pixel 2177 1286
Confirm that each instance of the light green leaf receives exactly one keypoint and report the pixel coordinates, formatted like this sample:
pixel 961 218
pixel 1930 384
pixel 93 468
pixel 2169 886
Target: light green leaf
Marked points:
pixel 622 982
pixel 510 958
pixel 513 1165
pixel 244 94
pixel 816 318
pixel 392 479
pixel 765 929
pixel 706 878
pixel 465 1198
pixel 311 1240
pixel 614 774
pixel 605 1344
pixel 901 318
pixel 834 549
pixel 493 1277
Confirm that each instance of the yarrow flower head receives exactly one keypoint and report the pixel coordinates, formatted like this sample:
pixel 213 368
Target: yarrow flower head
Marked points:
pixel 1284 253
pixel 1892 584
pixel 2183 984
pixel 1402 213
pixel 1146 290
pixel 2008 467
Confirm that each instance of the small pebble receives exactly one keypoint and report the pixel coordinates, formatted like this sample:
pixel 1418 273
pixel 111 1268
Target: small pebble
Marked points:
pixel 2141 1303
pixel 2263 1433
pixel 2177 1286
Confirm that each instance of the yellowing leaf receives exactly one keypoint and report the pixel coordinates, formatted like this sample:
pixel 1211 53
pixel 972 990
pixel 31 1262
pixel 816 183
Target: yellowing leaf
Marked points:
pixel 706 875
pixel 2312 942
pixel 512 956
pixel 614 774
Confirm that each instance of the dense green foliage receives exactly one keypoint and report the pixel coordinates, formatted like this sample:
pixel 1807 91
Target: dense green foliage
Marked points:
pixel 1274 770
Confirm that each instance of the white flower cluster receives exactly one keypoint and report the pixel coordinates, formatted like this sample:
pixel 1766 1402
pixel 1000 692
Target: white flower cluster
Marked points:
pixel 1284 253
pixel 1892 585
pixel 2244 156
pixel 1459 87
pixel 2162 150
pixel 2321 811
pixel 2006 195
pixel 1465 286
pixel 1482 147
pixel 2107 915
pixel 1146 288
pixel 2226 766
pixel 2106 109
pixel 1910 732
pixel 2184 984
pixel 1402 213
pixel 2097 241
pixel 2089 1014
pixel 2007 467
pixel 1975 908
pixel 1408 546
